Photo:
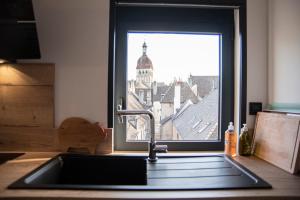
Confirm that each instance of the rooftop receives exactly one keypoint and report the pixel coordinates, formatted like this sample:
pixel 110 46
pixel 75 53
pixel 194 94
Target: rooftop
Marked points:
pixel 204 84
pixel 199 121
pixel 185 94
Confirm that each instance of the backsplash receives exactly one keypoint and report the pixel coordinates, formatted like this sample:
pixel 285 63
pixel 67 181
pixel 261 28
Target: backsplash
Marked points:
pixel 27 107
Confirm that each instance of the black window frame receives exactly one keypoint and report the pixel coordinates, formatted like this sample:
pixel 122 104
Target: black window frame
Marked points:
pixel 114 38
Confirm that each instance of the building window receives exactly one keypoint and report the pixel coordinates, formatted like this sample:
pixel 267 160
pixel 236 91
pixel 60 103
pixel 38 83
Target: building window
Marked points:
pixel 191 92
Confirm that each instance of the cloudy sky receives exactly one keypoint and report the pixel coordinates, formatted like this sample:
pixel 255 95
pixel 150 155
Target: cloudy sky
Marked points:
pixel 175 55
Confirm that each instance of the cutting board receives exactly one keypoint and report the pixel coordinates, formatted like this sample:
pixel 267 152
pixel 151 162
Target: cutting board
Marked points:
pixel 276 140
pixel 78 134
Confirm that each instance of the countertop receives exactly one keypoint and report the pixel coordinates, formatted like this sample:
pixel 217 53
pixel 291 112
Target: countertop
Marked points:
pixel 285 185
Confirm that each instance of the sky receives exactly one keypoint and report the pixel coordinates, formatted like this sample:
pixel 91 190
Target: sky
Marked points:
pixel 175 55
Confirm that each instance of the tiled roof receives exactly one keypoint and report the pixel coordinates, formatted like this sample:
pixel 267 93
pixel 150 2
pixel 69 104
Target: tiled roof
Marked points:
pixel 141 85
pixel 199 121
pixel 133 102
pixel 183 107
pixel 144 62
pixel 160 90
pixel 185 94
pixel 204 84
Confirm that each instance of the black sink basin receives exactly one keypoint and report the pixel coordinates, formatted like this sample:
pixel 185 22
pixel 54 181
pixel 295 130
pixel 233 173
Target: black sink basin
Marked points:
pixel 77 171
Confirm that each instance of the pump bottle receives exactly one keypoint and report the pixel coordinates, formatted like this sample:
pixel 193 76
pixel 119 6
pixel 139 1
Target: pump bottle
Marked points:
pixel 230 141
pixel 245 142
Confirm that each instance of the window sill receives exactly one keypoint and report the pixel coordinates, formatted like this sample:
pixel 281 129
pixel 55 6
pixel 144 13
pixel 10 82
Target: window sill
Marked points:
pixel 170 153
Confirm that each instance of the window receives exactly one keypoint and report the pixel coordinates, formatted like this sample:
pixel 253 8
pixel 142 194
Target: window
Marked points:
pixel 185 66
pixel 191 110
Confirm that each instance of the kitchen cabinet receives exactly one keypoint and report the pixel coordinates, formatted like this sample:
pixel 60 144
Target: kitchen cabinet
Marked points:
pixel 19 41
pixel 16 10
pixel 19 38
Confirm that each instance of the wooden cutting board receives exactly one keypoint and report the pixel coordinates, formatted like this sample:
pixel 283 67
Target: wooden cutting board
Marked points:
pixel 277 138
pixel 80 134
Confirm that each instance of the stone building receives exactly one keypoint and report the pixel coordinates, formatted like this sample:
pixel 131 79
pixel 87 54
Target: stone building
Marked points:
pixel 144 78
pixel 144 68
pixel 175 97
pixel 139 96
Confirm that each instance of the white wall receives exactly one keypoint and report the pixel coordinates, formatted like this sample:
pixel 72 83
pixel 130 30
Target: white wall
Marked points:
pixel 284 51
pixel 257 48
pixel 73 34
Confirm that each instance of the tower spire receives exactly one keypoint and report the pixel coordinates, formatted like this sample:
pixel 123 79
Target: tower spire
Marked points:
pixel 144 48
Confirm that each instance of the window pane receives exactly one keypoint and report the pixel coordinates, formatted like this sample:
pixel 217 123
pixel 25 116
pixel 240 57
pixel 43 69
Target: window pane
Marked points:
pixel 176 76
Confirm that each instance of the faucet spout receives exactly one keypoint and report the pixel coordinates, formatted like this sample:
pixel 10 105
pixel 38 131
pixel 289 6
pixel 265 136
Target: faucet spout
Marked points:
pixel 153 147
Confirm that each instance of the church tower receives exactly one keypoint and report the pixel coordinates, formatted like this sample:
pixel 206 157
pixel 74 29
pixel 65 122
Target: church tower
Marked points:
pixel 144 68
pixel 144 78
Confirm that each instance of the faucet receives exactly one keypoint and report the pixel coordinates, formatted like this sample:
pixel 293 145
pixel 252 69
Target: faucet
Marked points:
pixel 153 148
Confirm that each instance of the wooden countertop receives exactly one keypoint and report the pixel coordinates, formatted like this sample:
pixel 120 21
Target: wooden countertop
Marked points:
pixel 285 185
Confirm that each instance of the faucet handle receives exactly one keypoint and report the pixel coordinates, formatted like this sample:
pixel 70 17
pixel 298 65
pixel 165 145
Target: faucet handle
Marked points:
pixel 161 148
pixel 120 117
pixel 119 107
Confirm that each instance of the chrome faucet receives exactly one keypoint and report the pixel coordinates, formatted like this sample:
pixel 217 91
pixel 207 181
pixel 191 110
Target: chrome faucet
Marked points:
pixel 153 148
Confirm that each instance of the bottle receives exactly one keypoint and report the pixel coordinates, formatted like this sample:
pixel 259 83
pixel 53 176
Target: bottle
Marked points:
pixel 245 142
pixel 230 141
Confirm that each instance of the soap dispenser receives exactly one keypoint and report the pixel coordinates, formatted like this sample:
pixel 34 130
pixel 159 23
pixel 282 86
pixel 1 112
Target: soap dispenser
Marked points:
pixel 230 141
pixel 245 142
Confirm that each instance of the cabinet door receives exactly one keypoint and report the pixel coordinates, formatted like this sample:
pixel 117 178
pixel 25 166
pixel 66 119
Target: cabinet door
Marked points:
pixel 17 10
pixel 19 41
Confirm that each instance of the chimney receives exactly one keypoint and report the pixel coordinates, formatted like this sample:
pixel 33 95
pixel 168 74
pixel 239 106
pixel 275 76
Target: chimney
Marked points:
pixel 177 94
pixel 213 84
pixel 190 81
pixel 162 96
pixel 154 86
pixel 141 96
pixel 131 86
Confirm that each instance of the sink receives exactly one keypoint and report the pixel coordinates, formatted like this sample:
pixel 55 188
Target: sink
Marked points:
pixel 86 171
pixel 69 171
